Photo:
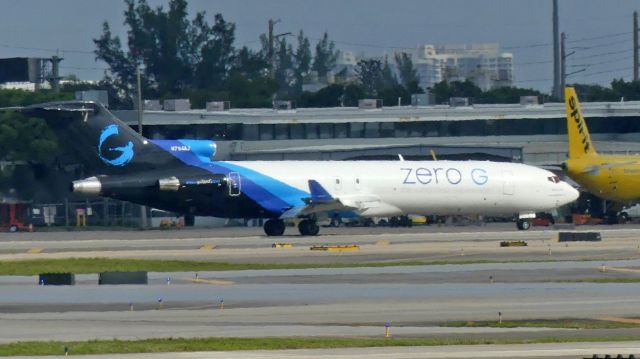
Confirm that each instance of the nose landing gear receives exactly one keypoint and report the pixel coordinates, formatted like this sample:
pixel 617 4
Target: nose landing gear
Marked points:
pixel 523 224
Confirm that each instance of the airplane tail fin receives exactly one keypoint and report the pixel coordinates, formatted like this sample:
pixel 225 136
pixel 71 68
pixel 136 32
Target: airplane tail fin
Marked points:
pixel 579 139
pixel 103 143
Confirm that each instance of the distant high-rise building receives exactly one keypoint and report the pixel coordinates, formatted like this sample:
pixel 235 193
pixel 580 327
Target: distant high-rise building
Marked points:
pixel 483 64
pixel 346 64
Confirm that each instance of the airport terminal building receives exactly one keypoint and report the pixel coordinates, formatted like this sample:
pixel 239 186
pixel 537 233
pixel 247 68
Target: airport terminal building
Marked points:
pixel 533 134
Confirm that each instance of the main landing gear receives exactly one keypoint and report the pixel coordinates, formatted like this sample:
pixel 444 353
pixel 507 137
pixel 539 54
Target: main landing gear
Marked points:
pixel 523 224
pixel 274 227
pixel 308 227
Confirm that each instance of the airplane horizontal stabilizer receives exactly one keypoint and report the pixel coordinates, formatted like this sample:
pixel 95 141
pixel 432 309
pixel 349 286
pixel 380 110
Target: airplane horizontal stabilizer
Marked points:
pixel 318 193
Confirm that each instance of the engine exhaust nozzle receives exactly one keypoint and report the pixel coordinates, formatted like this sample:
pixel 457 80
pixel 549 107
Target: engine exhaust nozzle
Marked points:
pixel 169 184
pixel 89 185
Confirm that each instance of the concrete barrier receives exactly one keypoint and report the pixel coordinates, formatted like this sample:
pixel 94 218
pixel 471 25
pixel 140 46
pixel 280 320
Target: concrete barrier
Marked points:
pixel 123 278
pixel 579 236
pixel 513 244
pixel 57 279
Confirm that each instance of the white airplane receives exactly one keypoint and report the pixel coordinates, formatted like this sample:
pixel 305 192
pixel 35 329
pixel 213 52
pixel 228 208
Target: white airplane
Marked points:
pixel 180 176
pixel 393 188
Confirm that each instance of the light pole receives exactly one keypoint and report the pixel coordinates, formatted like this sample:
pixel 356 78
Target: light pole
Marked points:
pixel 143 209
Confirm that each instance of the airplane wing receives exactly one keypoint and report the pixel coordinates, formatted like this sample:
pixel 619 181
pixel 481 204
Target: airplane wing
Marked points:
pixel 322 201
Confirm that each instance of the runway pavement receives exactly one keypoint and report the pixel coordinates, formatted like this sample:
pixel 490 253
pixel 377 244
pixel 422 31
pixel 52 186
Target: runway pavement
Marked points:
pixel 523 351
pixel 353 302
pixel 376 244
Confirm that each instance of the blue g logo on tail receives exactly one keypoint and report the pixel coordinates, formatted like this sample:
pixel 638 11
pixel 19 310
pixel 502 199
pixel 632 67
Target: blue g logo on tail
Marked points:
pixel 126 152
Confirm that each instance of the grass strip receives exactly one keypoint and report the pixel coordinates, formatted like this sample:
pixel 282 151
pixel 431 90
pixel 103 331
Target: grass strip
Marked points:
pixel 166 345
pixel 98 265
pixel 544 323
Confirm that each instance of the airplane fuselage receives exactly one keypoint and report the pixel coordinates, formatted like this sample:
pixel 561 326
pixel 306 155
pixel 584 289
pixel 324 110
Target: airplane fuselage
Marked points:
pixel 372 188
pixel 609 177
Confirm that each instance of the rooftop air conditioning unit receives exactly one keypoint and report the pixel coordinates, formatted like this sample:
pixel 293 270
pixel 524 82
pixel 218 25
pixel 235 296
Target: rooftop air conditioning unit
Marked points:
pixel 100 96
pixel 280 105
pixel 458 101
pixel 422 99
pixel 369 103
pixel 529 100
pixel 152 105
pixel 218 106
pixel 181 104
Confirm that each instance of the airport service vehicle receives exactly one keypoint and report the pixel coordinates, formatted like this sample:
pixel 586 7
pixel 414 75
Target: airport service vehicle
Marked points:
pixel 180 176
pixel 13 217
pixel 629 213
pixel 612 177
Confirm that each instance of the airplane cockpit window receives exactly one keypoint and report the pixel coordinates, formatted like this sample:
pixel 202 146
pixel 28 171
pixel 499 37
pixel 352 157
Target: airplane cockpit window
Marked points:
pixel 554 179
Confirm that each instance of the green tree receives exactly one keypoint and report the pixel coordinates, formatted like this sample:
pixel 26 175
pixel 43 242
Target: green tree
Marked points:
pixel 370 76
pixel 329 96
pixel 216 50
pixel 408 74
pixel 352 93
pixel 249 83
pixel 445 90
pixel 508 95
pixel 250 92
pixel 389 89
pixel 302 61
pixel 629 91
pixel 588 93
pixel 10 98
pixel 175 54
pixel 24 139
pixel 387 78
pixel 250 64
pixel 284 71
pixel 325 56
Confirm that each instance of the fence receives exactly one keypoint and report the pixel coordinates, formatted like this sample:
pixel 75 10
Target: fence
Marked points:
pixel 95 212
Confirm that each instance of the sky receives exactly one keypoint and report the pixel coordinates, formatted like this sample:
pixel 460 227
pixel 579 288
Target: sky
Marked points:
pixel 599 31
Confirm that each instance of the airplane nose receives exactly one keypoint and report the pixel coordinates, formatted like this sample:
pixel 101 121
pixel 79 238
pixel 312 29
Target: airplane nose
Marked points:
pixel 571 194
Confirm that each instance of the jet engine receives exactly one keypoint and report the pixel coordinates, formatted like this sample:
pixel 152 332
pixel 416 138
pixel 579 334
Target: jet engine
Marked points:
pixel 107 185
pixel 175 183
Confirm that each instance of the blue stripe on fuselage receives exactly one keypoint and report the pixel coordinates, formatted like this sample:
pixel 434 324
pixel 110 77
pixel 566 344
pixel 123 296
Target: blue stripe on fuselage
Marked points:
pixel 270 193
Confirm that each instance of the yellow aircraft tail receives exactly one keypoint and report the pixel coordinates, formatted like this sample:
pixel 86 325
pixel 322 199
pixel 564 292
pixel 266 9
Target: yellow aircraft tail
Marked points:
pixel 579 140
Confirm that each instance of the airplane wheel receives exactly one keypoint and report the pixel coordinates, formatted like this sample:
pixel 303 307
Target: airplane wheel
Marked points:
pixel 523 224
pixel 274 227
pixel 308 228
pixel 623 218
